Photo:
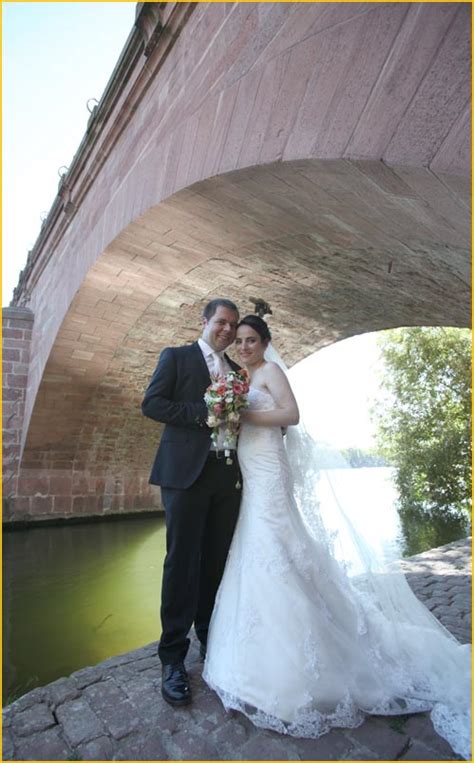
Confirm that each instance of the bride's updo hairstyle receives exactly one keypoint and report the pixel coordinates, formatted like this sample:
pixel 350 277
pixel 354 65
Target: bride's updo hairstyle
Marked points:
pixel 257 324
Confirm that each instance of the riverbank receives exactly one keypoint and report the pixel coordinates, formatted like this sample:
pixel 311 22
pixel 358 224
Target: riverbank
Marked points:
pixel 114 710
pixel 35 524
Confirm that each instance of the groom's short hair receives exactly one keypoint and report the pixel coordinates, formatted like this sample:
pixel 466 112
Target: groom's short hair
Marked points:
pixel 212 306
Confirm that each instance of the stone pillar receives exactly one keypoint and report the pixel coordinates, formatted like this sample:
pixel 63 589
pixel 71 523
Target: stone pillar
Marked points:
pixel 17 329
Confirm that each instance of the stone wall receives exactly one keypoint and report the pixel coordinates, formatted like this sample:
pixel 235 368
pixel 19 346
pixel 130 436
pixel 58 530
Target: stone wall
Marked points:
pixel 17 324
pixel 82 482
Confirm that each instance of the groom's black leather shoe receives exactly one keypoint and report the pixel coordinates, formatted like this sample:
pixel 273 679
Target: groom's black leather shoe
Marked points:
pixel 175 687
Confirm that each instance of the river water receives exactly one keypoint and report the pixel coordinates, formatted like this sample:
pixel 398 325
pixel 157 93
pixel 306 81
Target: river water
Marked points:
pixel 74 596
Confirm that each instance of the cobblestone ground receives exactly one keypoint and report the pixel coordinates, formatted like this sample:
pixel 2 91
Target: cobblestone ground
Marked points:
pixel 114 711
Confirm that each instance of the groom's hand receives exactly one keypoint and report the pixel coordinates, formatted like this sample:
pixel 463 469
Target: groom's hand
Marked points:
pixel 159 403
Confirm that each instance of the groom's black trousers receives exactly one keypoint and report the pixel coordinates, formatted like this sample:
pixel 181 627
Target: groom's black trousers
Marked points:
pixel 200 522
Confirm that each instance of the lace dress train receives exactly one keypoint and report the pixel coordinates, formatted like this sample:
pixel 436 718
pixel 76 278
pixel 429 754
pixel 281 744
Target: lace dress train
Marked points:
pixel 297 645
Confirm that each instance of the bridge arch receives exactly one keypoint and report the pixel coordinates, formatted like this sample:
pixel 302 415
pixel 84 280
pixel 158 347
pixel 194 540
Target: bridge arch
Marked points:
pixel 291 159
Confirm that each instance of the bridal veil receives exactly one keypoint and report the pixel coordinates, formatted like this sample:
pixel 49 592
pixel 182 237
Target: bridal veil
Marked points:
pixel 426 666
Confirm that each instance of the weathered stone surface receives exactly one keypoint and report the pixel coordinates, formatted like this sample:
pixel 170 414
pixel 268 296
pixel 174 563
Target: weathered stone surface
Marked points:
pixel 419 751
pixel 152 747
pixel 150 674
pixel 420 728
pixel 149 662
pixel 87 676
pixel 100 748
pixel 173 719
pixel 7 717
pixel 16 340
pixel 229 738
pixel 8 749
pixel 113 708
pixel 377 736
pixel 128 748
pixel 145 698
pixel 209 703
pixel 34 697
pixel 47 745
pixel 121 674
pixel 34 718
pixel 264 746
pixel 332 746
pixel 143 654
pixel 191 745
pixel 79 723
pixel 62 690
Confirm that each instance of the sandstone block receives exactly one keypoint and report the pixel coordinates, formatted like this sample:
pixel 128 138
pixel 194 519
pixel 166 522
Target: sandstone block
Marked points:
pixel 48 745
pixel 268 746
pixel 192 745
pixel 78 721
pixel 230 738
pixel 62 690
pixel 100 748
pixel 8 749
pixel 113 707
pixel 420 729
pixel 35 718
pixel 152 747
pixel 419 751
pixel 332 746
pixel 377 736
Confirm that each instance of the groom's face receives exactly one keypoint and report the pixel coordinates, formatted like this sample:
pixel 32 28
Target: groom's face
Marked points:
pixel 219 331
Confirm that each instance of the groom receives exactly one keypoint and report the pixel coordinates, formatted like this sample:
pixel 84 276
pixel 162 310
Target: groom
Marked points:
pixel 198 490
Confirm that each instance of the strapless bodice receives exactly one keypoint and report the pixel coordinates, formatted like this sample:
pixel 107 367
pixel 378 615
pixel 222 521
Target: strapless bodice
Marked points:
pixel 261 449
pixel 260 400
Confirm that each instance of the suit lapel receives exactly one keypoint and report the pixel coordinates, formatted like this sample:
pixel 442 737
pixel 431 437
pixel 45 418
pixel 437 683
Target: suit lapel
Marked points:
pixel 232 363
pixel 201 365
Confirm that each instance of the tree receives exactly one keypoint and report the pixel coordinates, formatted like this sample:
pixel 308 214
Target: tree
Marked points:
pixel 424 426
pixel 359 457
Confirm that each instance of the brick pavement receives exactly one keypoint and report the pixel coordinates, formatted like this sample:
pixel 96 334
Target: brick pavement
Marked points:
pixel 114 711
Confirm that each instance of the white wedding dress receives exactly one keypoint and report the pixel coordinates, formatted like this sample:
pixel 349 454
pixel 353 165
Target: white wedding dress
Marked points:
pixel 300 646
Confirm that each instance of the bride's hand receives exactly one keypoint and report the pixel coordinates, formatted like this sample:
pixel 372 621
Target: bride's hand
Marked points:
pixel 214 421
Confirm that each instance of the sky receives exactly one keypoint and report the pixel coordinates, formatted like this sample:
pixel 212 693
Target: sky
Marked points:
pixel 339 385
pixel 56 56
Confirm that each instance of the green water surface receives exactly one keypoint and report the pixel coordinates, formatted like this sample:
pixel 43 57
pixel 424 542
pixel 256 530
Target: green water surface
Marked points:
pixel 76 595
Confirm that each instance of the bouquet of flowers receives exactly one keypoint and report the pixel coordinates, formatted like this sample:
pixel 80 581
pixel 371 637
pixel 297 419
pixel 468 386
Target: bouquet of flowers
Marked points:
pixel 225 397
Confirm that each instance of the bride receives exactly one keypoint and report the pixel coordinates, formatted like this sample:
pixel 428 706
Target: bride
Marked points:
pixel 299 642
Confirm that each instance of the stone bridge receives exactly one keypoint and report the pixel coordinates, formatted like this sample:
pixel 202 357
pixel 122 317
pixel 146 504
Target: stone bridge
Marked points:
pixel 315 154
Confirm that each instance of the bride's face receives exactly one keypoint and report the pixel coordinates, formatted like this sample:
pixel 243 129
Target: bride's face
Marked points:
pixel 249 345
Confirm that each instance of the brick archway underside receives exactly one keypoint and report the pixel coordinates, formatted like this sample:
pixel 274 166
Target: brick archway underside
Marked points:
pixel 336 247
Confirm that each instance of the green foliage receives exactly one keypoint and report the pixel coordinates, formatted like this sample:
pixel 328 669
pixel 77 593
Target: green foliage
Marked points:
pixel 424 421
pixel 358 457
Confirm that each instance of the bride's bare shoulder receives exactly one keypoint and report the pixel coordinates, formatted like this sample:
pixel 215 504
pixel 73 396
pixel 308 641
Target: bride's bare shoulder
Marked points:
pixel 273 377
pixel 273 369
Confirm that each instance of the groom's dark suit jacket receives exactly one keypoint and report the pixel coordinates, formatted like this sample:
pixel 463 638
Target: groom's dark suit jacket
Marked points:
pixel 175 397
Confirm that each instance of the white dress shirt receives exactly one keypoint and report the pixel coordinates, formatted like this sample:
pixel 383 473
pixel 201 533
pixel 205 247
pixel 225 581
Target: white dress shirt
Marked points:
pixel 210 358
